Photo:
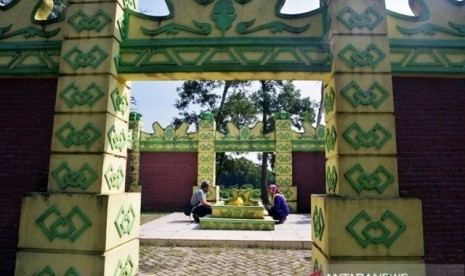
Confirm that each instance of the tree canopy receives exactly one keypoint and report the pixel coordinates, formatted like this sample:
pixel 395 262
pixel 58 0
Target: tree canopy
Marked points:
pixel 243 103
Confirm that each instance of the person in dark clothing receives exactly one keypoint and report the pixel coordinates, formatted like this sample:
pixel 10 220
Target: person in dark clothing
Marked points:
pixel 199 201
pixel 278 209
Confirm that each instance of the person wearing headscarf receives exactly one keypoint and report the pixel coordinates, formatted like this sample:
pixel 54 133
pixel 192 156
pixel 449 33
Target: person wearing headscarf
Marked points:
pixel 278 209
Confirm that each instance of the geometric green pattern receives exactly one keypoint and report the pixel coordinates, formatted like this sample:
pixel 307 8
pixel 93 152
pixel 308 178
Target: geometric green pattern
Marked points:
pixel 374 96
pixel 384 231
pixel 72 272
pixel 65 178
pixel 131 4
pixel 317 269
pixel 72 95
pixel 318 223
pixel 379 180
pixel 234 139
pixel 120 101
pixel 142 59
pixel 126 268
pixel 424 57
pixel 448 56
pixel 48 271
pixel 221 56
pixel 81 21
pixel 114 178
pixel 117 141
pixel 331 137
pixel 329 101
pixel 69 136
pixel 357 137
pixel 353 58
pixel 76 58
pixel 331 179
pixel 55 225
pixel 125 221
pixel 35 58
pixel 283 169
pixel 428 59
pixel 351 19
pixel 210 222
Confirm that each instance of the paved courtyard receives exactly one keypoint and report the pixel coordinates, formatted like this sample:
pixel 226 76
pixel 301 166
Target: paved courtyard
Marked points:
pixel 161 260
pixel 175 245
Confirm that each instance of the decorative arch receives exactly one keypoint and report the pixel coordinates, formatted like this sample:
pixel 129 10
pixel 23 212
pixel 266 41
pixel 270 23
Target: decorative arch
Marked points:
pixel 353 46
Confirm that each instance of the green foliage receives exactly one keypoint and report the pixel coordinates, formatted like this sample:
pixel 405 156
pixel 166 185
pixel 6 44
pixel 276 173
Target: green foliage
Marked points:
pixel 238 172
pixel 237 102
pixel 226 99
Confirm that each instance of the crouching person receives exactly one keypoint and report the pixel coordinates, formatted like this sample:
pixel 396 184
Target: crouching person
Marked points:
pixel 278 209
pixel 199 201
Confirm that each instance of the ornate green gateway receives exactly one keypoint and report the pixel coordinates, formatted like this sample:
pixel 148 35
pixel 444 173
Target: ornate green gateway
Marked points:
pixel 207 142
pixel 236 139
pixel 224 36
pixel 230 36
pixel 95 48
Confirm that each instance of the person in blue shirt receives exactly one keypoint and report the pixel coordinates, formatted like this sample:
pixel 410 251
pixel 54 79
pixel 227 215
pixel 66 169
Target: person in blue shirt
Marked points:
pixel 278 209
pixel 199 201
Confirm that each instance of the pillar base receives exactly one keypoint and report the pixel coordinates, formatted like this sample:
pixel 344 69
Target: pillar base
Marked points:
pixel 361 266
pixel 122 260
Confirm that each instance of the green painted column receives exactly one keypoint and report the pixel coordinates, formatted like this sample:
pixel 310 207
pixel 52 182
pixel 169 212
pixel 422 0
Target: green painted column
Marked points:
pixel 283 165
pixel 136 125
pixel 362 225
pixel 206 170
pixel 85 224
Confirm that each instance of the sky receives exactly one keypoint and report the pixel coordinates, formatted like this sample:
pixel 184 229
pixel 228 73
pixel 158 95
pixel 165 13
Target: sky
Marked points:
pixel 155 99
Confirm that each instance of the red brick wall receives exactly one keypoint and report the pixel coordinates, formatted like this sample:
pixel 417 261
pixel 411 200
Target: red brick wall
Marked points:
pixel 430 121
pixel 308 173
pixel 178 172
pixel 26 120
pixel 167 180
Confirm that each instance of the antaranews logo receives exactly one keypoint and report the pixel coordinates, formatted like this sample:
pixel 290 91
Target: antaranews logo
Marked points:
pixel 319 273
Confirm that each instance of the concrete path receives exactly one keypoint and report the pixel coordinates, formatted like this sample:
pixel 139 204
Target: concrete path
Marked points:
pixel 176 229
pixel 175 245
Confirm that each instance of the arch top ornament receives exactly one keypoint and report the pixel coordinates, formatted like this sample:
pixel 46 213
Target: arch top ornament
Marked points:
pixel 232 139
pixel 224 36
pixel 214 36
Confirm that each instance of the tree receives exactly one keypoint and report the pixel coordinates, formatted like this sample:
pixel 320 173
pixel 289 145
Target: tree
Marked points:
pixel 272 97
pixel 233 101
pixel 227 99
pixel 320 106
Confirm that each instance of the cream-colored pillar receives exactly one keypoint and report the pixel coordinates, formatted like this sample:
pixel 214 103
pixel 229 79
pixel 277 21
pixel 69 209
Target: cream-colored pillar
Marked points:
pixel 283 165
pixel 362 225
pixel 85 224
pixel 206 170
